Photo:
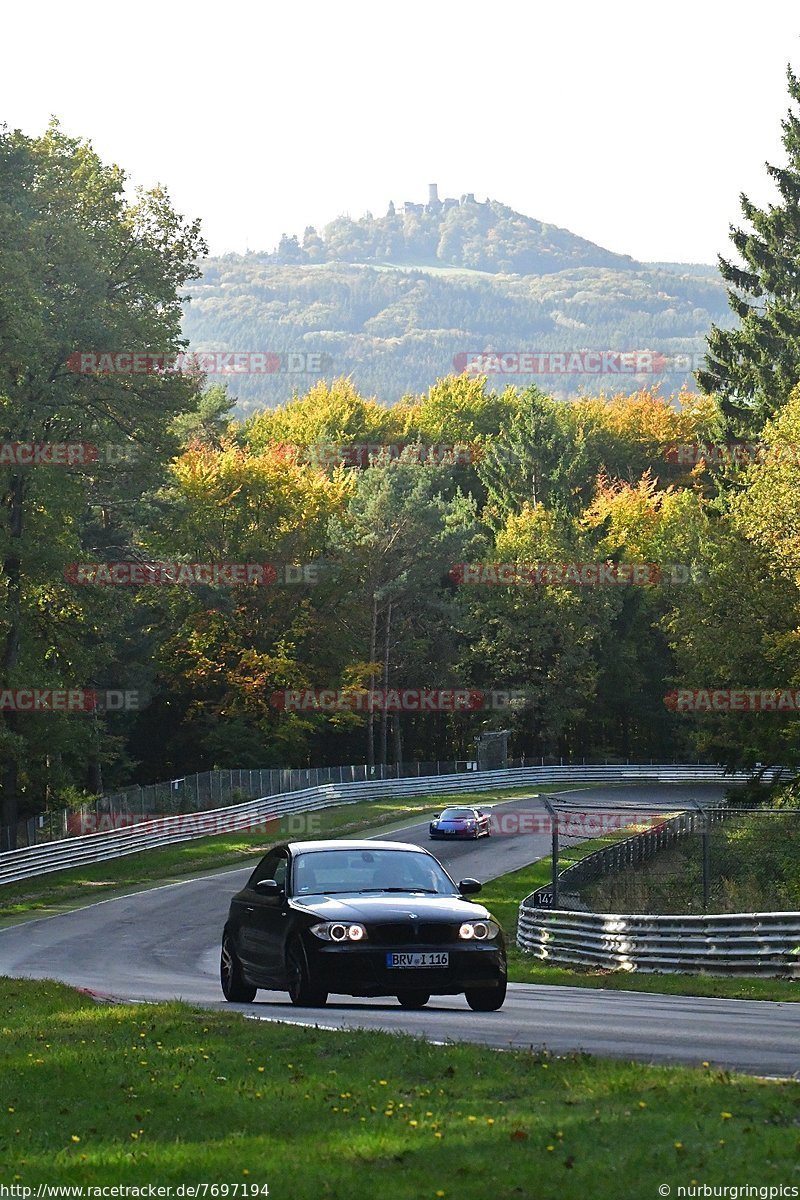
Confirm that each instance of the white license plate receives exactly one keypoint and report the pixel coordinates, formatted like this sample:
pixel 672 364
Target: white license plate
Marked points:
pixel 427 958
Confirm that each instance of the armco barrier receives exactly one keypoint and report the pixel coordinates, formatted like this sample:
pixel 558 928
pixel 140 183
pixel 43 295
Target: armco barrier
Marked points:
pixel 31 861
pixel 738 944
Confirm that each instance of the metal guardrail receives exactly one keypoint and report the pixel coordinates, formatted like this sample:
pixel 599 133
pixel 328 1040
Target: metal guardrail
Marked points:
pixel 206 791
pixel 738 944
pixel 31 861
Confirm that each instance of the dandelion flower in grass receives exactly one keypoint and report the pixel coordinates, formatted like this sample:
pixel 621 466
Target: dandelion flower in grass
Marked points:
pixel 726 1116
pixel 75 1138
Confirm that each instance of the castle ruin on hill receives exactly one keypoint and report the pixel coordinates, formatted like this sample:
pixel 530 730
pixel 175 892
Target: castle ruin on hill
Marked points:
pixel 435 205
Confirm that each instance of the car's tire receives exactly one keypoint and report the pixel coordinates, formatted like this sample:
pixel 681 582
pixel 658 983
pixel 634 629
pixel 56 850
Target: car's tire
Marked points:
pixel 486 999
pixel 235 987
pixel 412 999
pixel 301 987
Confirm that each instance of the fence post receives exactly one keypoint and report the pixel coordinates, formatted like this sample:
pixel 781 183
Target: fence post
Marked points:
pixel 554 847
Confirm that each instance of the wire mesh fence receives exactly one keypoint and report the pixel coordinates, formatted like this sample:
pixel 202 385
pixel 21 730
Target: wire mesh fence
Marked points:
pixel 217 789
pixel 720 858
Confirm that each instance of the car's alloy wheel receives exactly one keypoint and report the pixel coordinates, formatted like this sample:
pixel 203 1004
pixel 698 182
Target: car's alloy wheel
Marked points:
pixel 234 986
pixel 413 999
pixel 486 999
pixel 301 987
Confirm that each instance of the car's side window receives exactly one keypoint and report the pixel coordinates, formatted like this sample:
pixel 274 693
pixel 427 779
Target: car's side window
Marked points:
pixel 281 871
pixel 268 868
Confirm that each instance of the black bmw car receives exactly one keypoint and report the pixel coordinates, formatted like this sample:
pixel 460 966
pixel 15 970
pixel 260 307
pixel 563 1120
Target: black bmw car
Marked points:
pixel 360 918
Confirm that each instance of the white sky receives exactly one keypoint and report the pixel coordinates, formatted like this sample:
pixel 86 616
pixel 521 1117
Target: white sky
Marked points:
pixel 630 123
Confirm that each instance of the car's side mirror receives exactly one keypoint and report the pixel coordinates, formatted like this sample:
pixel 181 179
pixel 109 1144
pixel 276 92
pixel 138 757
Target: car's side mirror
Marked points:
pixel 468 887
pixel 435 817
pixel 269 887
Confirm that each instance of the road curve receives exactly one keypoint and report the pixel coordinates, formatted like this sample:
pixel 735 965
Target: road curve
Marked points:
pixel 163 943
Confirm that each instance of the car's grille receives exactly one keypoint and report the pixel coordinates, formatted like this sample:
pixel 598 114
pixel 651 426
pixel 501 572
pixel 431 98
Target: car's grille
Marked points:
pixel 416 933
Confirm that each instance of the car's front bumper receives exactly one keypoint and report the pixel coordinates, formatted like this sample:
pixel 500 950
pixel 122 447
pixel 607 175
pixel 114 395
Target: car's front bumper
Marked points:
pixel 362 970
pixel 452 835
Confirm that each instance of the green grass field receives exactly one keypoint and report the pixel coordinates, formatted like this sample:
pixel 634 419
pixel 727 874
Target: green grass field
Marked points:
pixel 137 1095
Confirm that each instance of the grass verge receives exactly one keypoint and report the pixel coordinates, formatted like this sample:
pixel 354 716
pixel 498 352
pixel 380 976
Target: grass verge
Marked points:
pixel 103 1095
pixel 503 897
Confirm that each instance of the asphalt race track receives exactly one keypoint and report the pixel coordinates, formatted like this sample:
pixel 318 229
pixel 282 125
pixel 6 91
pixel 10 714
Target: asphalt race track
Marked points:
pixel 164 944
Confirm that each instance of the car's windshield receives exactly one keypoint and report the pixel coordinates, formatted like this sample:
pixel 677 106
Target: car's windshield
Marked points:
pixel 336 872
pixel 458 814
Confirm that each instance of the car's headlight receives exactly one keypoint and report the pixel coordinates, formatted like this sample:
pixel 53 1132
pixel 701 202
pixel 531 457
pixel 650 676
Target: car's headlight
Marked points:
pixel 478 931
pixel 339 931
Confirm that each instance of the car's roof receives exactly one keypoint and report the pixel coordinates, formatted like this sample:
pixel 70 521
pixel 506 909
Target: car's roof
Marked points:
pixel 351 844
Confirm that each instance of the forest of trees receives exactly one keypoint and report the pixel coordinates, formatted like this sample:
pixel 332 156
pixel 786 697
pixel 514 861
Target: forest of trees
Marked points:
pixel 391 303
pixel 172 475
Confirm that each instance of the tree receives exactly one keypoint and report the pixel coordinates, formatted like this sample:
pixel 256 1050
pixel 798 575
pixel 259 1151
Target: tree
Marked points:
pixel 533 459
pixel 754 366
pixel 389 591
pixel 84 270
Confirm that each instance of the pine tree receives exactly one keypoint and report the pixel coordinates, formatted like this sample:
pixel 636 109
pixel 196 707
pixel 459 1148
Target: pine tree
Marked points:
pixel 754 366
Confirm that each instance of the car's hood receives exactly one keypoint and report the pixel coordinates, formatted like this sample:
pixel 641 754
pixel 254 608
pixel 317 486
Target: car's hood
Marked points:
pixel 391 907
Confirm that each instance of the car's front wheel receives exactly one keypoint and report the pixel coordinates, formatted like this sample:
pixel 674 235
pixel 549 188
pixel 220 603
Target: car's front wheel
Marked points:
pixel 413 999
pixel 302 989
pixel 234 985
pixel 487 999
